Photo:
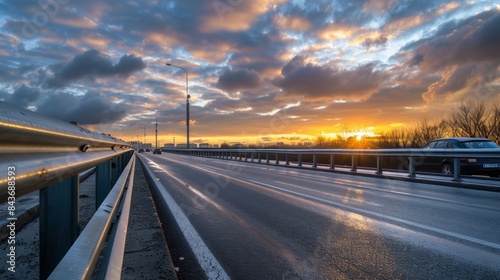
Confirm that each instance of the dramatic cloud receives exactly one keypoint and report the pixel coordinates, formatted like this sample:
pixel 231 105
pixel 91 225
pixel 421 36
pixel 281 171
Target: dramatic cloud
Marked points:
pixel 380 40
pixel 91 108
pixel 472 39
pixel 323 81
pixel 464 53
pixel 24 95
pixel 312 66
pixel 93 64
pixel 239 79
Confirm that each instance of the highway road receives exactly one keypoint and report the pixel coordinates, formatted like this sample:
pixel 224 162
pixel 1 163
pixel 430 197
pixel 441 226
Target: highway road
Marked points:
pixel 254 221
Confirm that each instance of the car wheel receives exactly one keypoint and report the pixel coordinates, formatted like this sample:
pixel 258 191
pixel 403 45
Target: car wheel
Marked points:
pixel 447 169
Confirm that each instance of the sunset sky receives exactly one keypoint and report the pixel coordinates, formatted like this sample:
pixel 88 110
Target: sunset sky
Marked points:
pixel 260 71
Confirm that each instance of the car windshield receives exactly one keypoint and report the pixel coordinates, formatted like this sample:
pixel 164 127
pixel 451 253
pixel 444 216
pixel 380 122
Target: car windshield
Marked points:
pixel 479 145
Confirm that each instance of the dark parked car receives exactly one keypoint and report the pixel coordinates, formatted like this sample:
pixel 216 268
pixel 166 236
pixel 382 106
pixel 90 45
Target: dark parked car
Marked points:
pixel 468 166
pixel 157 151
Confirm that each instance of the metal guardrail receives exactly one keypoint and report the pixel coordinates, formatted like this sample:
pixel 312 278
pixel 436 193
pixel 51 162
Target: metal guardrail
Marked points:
pixel 41 151
pixel 410 155
pixel 81 259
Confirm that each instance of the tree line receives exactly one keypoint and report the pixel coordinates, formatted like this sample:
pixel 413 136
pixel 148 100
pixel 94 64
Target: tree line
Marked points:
pixel 473 118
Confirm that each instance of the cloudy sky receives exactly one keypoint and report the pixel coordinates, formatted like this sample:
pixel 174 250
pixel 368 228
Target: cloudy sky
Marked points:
pixel 259 71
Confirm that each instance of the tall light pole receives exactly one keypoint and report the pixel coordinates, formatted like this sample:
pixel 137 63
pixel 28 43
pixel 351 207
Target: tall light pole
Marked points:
pixel 187 101
pixel 156 131
pixel 145 133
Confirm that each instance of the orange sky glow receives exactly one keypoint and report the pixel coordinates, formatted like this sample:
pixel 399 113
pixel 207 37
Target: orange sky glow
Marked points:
pixel 259 72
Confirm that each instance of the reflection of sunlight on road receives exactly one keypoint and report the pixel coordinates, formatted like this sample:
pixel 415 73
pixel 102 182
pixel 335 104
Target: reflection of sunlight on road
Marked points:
pixel 354 196
pixel 352 249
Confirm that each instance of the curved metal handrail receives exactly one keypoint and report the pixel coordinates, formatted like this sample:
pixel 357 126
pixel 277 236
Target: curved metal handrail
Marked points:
pixel 40 150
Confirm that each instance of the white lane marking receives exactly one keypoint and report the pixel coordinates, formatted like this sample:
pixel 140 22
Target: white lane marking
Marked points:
pixel 393 219
pixel 205 257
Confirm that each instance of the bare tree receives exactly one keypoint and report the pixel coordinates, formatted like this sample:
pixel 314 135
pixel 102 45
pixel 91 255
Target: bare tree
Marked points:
pixel 395 138
pixel 469 120
pixel 426 131
pixel 321 141
pixel 475 119
pixel 494 122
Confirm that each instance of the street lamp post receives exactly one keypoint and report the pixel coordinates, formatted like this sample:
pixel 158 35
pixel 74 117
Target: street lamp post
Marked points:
pixel 187 101
pixel 156 129
pixel 145 133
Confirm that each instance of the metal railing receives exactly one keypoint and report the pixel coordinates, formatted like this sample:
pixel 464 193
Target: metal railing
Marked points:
pixel 41 150
pixel 42 153
pixel 408 158
pixel 81 259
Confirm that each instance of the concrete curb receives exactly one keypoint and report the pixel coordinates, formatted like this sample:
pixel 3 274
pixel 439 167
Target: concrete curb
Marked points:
pixel 147 255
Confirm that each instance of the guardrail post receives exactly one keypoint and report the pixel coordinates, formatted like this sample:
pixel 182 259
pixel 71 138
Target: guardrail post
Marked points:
pixel 277 159
pixel 287 160
pixel 115 172
pixel 103 182
pixel 299 160
pixel 315 161
pixel 411 167
pixel 456 170
pixel 258 158
pixel 354 163
pixel 379 167
pixel 59 222
pixel 267 158
pixel 121 162
pixel 253 156
pixel 332 162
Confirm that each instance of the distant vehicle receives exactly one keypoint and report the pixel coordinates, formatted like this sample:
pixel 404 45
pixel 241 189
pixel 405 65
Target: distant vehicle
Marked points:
pixel 468 166
pixel 140 151
pixel 148 150
pixel 157 151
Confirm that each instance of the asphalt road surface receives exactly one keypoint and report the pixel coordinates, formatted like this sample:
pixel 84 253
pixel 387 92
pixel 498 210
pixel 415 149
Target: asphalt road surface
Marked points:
pixel 256 221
